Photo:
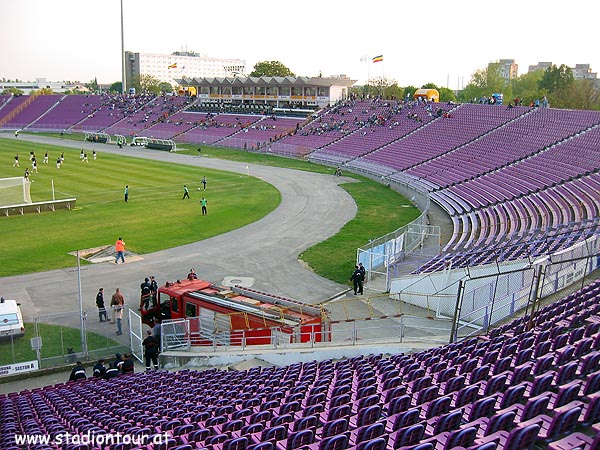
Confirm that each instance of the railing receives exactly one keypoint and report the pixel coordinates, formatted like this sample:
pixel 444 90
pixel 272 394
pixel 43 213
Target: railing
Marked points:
pixel 11 115
pixel 178 335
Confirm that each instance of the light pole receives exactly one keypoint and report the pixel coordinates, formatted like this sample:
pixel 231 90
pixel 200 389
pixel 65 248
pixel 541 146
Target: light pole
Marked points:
pixel 82 315
pixel 123 75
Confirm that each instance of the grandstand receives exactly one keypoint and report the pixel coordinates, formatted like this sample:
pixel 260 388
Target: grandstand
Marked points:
pixel 532 383
pixel 517 183
pixel 499 173
pixel 520 187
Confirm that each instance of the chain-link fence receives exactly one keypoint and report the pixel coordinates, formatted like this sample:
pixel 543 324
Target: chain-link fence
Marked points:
pixel 479 296
pixel 63 338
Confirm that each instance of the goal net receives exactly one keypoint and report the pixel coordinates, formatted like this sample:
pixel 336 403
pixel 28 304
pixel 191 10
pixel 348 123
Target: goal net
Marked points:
pixel 14 191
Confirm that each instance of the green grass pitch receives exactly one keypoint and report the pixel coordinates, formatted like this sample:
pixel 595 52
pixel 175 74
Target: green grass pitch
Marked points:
pixel 154 218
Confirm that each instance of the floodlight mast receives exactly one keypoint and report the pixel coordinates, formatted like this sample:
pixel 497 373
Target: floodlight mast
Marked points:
pixel 123 76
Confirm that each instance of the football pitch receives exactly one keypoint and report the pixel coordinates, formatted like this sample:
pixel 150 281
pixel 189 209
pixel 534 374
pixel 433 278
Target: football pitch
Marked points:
pixel 154 218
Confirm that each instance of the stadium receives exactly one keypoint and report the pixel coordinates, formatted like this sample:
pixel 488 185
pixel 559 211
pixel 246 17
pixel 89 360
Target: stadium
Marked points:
pixel 503 252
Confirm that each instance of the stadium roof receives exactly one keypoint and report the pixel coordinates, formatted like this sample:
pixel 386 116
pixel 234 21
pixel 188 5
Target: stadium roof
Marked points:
pixel 266 81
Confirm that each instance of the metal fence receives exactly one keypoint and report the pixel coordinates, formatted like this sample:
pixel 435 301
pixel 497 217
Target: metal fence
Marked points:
pixel 63 340
pixel 267 148
pixel 179 335
pixel 488 299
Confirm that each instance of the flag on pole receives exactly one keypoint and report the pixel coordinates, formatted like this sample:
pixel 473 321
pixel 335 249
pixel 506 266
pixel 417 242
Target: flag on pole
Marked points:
pixel 173 66
pixel 378 58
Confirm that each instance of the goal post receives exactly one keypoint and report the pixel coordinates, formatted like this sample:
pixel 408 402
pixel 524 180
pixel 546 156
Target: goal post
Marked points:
pixel 14 191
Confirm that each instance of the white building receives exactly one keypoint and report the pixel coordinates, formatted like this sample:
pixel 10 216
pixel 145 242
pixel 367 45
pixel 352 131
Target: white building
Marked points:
pixel 180 64
pixel 58 87
pixel 508 69
pixel 542 65
pixel 584 71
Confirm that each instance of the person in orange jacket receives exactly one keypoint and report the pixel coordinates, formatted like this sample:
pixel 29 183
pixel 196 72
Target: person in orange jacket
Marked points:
pixel 120 248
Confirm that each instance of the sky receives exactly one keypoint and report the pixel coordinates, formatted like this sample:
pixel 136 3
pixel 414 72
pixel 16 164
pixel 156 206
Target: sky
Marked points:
pixel 438 41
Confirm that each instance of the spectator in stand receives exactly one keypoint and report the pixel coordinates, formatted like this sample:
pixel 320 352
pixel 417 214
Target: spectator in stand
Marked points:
pixel 78 372
pixel 128 365
pixel 118 361
pixel 99 370
pixel 111 372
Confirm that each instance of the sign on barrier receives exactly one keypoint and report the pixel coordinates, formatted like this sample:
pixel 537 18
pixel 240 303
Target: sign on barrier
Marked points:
pixel 13 369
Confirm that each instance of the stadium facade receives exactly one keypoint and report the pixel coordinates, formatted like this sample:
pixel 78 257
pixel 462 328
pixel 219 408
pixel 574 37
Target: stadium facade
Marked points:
pixel 178 64
pixel 279 92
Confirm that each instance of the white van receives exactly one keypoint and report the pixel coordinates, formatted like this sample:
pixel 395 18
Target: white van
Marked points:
pixel 11 319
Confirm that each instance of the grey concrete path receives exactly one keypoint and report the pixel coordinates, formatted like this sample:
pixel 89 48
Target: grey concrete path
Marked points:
pixel 313 207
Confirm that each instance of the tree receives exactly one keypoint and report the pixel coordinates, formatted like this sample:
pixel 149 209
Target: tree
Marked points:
pixel 93 85
pixel 408 92
pixel 484 83
pixel 580 94
pixel 271 69
pixel 556 78
pixel 527 87
pixel 145 83
pixel 165 88
pixel 446 95
pixel 75 91
pixel 13 91
pixel 42 91
pixel 116 87
pixel 383 86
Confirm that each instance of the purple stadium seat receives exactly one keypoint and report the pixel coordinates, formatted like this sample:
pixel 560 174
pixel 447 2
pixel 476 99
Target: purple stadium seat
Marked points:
pixel 519 438
pixel 297 439
pixel 336 427
pixel 366 433
pixel 402 420
pixel 379 443
pixel 484 407
pixel 404 437
pixel 552 428
pixel 444 423
pixel 335 442
pixel 576 441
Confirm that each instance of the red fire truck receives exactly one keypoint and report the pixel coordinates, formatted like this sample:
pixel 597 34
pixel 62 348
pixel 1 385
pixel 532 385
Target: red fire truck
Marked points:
pixel 237 315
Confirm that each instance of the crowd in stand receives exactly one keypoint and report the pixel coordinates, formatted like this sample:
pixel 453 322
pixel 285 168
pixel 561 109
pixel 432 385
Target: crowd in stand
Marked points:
pixel 122 365
pixel 343 118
